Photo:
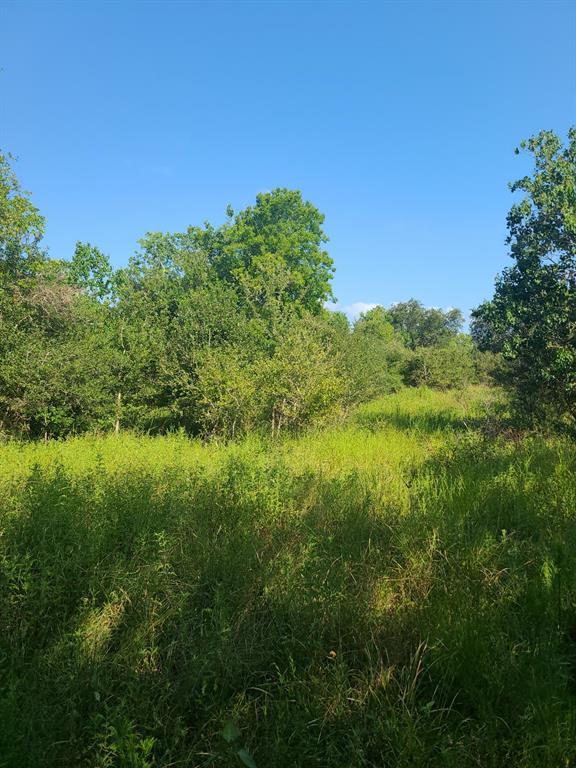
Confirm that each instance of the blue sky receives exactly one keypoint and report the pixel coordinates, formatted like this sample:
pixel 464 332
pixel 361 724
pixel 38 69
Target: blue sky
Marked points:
pixel 398 120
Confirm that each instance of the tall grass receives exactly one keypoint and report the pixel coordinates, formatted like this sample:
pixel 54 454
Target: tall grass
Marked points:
pixel 398 592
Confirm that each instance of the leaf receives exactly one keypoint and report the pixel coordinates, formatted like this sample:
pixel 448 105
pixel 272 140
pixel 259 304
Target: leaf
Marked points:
pixel 549 572
pixel 230 732
pixel 246 758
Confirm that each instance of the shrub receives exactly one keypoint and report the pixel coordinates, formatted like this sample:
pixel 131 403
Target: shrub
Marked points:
pixel 446 367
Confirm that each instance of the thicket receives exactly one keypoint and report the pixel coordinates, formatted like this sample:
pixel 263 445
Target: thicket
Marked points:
pixel 217 330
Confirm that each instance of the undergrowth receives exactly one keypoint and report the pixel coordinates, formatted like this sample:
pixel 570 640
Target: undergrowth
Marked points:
pixel 397 592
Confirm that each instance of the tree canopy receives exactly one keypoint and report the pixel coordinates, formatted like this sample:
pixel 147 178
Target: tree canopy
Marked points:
pixel 21 226
pixel 532 317
pixel 424 326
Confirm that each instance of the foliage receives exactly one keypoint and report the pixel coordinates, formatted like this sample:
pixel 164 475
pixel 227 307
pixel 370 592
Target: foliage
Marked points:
pixel 532 317
pixel 21 227
pixel 90 270
pixel 216 330
pixel 300 384
pixel 273 252
pixel 444 367
pixel 227 393
pixel 421 326
pixel 376 323
pixel 373 358
pixel 275 393
pixel 56 358
pixel 84 347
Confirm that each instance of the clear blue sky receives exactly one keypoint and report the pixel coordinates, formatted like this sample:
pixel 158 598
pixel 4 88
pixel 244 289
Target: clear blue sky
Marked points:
pixel 398 120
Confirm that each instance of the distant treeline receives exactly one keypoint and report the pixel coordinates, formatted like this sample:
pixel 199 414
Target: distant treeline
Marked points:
pixel 215 330
pixel 221 330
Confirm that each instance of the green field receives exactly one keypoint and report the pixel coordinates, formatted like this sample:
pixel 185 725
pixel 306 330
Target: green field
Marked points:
pixel 398 591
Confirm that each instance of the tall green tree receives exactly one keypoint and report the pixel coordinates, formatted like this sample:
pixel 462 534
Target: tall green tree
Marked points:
pixel 273 252
pixel 90 270
pixel 170 307
pixel 375 323
pixel 532 316
pixel 21 226
pixel 421 326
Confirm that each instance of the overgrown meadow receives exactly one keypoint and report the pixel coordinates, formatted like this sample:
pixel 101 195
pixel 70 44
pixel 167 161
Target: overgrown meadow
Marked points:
pixel 398 591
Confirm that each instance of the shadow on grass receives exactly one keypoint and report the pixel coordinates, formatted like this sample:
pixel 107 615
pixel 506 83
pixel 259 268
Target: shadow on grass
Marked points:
pixel 420 422
pixel 140 613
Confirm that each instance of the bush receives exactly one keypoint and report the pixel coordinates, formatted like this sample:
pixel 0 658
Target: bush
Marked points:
pixel 299 385
pixel 372 367
pixel 447 367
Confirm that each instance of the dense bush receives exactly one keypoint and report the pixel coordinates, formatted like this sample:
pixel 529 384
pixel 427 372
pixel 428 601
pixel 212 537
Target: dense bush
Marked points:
pixel 442 367
pixel 298 385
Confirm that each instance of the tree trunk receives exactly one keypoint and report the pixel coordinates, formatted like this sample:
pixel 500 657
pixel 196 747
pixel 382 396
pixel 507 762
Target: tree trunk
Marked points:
pixel 118 411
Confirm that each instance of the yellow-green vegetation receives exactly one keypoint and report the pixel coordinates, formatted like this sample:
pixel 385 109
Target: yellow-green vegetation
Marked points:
pixel 399 591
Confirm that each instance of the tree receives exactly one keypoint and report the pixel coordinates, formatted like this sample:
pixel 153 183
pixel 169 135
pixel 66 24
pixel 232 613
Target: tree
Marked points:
pixel 90 270
pixel 419 326
pixel 21 226
pixel 272 252
pixel 375 323
pixel 372 358
pixel 532 316
pixel 297 386
pixel 171 310
pixel 55 359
